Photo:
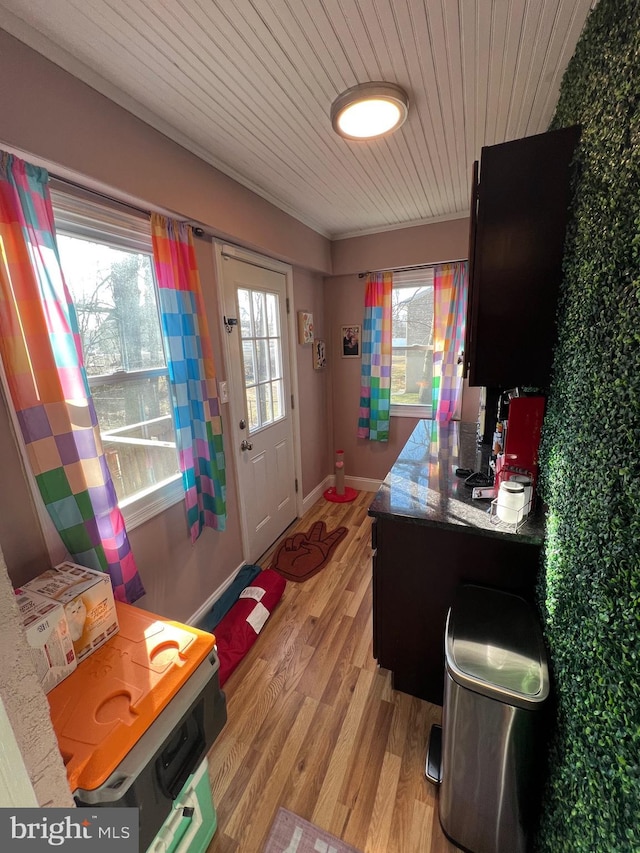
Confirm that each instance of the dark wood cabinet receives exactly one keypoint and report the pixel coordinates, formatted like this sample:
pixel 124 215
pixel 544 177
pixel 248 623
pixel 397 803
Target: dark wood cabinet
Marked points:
pixel 429 536
pixel 519 206
pixel 416 571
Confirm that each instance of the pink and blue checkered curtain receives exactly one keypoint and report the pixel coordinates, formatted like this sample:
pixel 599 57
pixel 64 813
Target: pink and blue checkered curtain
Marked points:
pixel 375 383
pixel 449 320
pixel 192 375
pixel 42 357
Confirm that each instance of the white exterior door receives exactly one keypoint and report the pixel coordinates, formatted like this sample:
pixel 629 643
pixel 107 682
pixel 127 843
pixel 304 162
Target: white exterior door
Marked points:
pixel 260 397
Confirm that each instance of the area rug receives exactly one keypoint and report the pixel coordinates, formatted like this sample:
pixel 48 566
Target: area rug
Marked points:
pixel 291 834
pixel 301 556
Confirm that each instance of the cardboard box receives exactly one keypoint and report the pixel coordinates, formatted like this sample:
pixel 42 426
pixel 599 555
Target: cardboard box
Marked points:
pixel 87 597
pixel 47 634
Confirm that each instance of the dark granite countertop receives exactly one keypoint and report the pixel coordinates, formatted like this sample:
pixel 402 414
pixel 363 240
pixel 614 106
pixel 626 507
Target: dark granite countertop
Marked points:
pixel 422 486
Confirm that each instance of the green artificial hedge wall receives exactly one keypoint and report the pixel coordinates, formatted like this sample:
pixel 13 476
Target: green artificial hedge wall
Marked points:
pixel 589 591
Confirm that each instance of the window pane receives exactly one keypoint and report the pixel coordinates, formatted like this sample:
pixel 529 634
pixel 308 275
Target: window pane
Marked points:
pixel 272 316
pixel 411 376
pixel 252 408
pixel 115 300
pixel 262 356
pixel 274 359
pixel 249 359
pixel 266 414
pixel 276 391
pixel 244 307
pixel 259 314
pixel 262 348
pixel 398 373
pixel 138 436
pixel 114 294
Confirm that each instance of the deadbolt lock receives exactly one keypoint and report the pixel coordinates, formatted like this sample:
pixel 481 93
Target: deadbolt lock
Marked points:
pixel 242 424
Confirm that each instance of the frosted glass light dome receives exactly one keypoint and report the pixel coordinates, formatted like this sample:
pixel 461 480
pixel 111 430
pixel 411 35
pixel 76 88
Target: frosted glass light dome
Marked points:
pixel 369 110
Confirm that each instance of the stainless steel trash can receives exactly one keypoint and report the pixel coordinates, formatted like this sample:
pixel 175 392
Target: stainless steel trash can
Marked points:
pixel 496 683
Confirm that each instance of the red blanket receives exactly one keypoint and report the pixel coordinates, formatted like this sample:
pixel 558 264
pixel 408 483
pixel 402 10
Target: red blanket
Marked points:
pixel 239 629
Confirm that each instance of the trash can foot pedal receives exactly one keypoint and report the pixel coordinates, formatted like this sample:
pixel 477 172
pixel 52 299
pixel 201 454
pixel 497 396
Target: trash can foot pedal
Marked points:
pixel 433 769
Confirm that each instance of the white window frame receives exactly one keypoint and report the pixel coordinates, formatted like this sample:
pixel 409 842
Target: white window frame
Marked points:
pixel 77 214
pixel 411 278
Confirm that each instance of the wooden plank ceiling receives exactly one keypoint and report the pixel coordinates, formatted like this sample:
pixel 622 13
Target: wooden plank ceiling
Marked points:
pixel 248 84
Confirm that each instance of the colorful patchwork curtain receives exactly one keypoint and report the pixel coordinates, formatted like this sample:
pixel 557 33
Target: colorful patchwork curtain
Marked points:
pixel 450 312
pixel 192 375
pixel 375 384
pixel 42 357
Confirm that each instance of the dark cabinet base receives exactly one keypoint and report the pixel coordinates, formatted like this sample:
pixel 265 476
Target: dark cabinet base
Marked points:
pixel 416 570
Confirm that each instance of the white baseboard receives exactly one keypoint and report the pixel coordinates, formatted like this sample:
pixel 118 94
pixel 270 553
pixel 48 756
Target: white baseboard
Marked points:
pixel 360 484
pixel 202 611
pixel 363 484
pixel 316 494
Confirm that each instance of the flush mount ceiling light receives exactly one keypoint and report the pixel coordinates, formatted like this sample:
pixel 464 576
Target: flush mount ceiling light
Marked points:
pixel 369 110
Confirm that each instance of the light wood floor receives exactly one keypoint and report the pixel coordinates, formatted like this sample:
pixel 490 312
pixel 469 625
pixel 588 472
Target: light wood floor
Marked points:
pixel 313 724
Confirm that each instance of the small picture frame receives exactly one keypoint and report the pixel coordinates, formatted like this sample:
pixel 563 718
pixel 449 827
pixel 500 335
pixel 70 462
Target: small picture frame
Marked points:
pixel 350 341
pixel 319 354
pixel 305 327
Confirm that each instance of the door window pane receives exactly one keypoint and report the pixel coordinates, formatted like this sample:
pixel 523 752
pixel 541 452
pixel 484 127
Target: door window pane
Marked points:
pixel 244 310
pixel 259 314
pixel 275 362
pixel 273 319
pixel 262 356
pixel 276 396
pixel 252 408
pixel 248 354
pixel 266 410
pixel 263 360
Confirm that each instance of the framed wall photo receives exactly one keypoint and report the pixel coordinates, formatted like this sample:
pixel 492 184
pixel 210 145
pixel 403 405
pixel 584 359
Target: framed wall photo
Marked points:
pixel 350 336
pixel 305 327
pixel 319 355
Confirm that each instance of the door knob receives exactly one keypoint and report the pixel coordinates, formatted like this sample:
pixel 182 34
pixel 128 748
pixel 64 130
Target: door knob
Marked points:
pixel 246 445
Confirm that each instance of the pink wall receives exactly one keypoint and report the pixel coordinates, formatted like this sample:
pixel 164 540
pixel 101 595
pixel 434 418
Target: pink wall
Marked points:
pixel 422 244
pixel 313 385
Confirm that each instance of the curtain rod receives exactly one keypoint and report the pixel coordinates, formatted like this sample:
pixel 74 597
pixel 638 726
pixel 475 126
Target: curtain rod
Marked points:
pixel 197 230
pixel 414 267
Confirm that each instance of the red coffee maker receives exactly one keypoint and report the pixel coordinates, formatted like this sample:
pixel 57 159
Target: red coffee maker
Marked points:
pixel 521 441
